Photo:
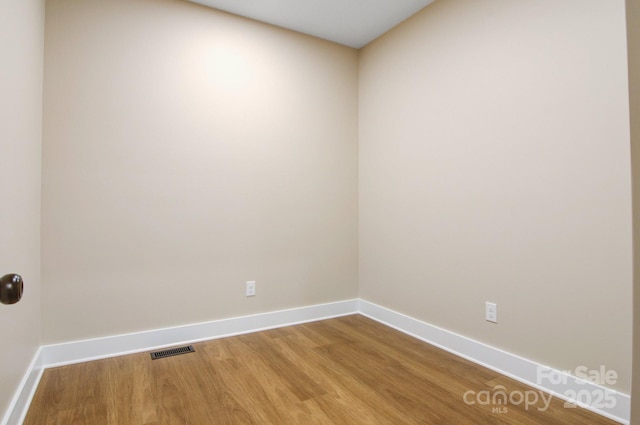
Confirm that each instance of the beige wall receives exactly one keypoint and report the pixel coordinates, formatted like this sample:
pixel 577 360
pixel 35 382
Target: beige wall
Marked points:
pixel 633 47
pixel 494 166
pixel 21 44
pixel 187 151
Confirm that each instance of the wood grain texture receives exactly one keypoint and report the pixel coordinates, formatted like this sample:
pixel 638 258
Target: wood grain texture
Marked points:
pixel 345 371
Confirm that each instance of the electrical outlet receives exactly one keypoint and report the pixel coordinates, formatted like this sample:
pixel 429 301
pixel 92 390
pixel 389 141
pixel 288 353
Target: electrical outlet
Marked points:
pixel 491 312
pixel 251 288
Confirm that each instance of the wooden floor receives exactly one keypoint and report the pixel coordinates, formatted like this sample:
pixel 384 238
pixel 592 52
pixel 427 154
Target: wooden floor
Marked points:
pixel 344 371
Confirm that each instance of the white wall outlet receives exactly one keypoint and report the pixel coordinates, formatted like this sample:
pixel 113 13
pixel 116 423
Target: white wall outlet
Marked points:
pixel 251 288
pixel 491 312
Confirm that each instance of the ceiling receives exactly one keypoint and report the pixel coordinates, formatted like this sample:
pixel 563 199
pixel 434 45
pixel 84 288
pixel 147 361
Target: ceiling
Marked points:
pixel 353 23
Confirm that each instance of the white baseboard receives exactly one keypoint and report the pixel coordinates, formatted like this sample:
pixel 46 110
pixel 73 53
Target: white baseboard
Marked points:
pixel 100 348
pixel 511 365
pixel 19 406
pixel 508 364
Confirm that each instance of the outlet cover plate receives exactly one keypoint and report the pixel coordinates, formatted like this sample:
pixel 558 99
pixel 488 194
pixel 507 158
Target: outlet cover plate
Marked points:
pixel 251 288
pixel 491 312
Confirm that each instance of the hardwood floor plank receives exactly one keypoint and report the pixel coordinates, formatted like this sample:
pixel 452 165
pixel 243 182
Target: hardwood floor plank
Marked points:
pixel 293 377
pixel 345 371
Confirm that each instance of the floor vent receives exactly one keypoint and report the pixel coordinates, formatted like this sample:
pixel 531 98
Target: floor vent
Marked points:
pixel 172 352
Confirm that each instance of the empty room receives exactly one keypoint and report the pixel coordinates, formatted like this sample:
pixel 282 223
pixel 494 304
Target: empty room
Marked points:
pixel 319 212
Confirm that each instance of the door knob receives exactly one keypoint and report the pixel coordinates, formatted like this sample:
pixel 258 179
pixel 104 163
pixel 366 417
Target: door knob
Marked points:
pixel 11 287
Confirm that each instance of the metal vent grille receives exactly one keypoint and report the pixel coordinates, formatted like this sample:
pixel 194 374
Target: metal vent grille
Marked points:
pixel 172 352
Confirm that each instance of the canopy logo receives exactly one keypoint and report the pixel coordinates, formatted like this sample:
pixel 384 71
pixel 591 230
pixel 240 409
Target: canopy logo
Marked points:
pixel 562 382
pixel 499 398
